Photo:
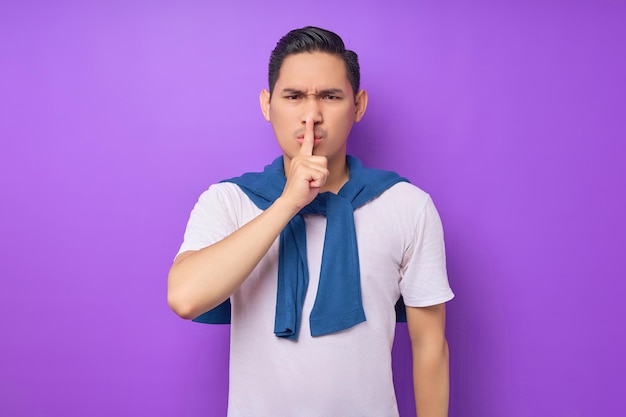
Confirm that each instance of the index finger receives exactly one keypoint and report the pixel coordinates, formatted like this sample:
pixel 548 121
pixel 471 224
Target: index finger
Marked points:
pixel 309 138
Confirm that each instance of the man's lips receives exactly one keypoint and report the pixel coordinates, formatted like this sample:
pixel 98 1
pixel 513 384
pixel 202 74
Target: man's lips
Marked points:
pixel 319 134
pixel 316 140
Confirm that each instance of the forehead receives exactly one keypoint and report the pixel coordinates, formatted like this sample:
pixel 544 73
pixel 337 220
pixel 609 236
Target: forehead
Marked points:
pixel 312 70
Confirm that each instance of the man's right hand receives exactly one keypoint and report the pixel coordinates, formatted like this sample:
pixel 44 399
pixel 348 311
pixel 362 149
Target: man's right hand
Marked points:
pixel 200 280
pixel 307 173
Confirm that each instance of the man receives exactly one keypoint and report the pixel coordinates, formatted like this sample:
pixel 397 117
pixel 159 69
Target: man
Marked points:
pixel 313 254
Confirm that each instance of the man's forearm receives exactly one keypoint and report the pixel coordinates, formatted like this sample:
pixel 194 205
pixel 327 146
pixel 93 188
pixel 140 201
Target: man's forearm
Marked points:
pixel 200 280
pixel 431 380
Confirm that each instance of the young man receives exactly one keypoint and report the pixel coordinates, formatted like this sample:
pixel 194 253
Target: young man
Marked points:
pixel 313 254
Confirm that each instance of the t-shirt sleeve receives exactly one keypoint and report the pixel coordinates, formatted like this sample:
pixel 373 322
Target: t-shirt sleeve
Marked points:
pixel 211 220
pixel 424 278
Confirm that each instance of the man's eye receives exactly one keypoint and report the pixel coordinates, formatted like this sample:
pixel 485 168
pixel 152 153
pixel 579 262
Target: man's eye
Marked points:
pixel 292 97
pixel 331 97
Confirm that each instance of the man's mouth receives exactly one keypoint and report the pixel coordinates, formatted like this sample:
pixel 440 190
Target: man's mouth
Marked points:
pixel 319 134
pixel 316 140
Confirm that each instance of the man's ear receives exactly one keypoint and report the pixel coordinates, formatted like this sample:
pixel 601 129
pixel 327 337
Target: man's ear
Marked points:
pixel 360 105
pixel 264 101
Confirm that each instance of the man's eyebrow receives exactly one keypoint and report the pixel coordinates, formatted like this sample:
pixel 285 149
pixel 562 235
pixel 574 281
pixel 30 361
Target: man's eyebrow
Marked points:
pixel 292 91
pixel 331 91
pixel 326 91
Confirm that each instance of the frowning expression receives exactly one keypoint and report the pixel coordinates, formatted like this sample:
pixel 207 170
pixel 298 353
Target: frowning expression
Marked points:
pixel 313 84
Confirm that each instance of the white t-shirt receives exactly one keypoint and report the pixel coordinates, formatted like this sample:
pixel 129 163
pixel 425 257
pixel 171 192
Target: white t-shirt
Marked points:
pixel 348 373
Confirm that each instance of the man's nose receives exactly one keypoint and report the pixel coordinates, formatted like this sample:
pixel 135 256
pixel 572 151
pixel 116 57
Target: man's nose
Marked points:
pixel 312 109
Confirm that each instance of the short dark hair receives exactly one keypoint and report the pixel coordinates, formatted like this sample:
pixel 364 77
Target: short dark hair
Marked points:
pixel 313 39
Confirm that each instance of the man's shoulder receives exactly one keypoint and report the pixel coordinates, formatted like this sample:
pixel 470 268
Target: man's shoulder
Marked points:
pixel 405 192
pixel 402 202
pixel 225 192
pixel 221 187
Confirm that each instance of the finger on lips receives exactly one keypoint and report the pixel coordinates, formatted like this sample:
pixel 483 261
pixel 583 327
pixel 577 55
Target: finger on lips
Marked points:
pixel 309 138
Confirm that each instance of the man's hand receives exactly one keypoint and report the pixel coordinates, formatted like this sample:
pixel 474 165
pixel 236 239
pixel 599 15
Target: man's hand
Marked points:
pixel 200 280
pixel 307 172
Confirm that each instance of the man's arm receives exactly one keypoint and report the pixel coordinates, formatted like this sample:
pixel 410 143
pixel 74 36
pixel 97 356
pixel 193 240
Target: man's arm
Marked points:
pixel 200 280
pixel 430 359
pixel 203 279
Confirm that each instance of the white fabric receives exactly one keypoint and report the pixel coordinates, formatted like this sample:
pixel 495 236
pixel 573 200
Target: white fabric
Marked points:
pixel 401 250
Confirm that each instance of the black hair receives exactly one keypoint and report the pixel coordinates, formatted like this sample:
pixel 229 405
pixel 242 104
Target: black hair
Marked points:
pixel 313 39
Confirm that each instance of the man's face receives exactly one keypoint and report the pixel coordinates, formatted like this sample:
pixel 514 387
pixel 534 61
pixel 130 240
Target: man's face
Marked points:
pixel 313 85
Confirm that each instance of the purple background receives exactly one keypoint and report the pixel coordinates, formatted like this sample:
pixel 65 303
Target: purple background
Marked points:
pixel 113 119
